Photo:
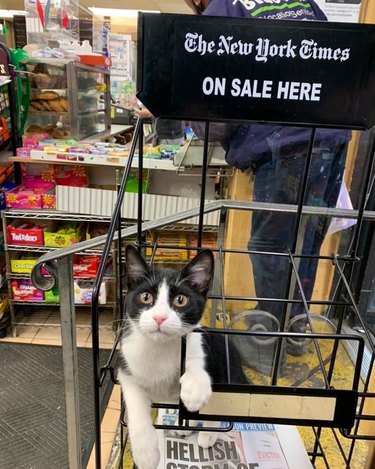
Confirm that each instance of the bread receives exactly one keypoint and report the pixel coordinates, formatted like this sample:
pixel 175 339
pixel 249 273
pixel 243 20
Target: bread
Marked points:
pixel 45 105
pixel 55 105
pixel 64 104
pixel 47 95
pixel 33 129
pixel 37 105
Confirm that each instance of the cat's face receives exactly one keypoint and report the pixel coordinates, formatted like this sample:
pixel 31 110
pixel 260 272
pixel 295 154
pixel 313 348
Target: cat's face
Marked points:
pixel 165 304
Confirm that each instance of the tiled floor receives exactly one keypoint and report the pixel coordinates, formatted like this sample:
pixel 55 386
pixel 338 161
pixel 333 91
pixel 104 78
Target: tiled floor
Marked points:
pixel 47 333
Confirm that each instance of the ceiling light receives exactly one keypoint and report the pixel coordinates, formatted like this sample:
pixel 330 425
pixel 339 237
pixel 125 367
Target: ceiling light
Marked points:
pixel 119 12
pixel 11 13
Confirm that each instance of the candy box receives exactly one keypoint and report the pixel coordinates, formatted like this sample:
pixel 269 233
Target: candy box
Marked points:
pixel 24 265
pixel 61 236
pixel 27 234
pixel 52 296
pixel 25 197
pixel 24 290
pixel 86 266
pixel 74 176
pixel 37 175
pixel 83 292
pixel 7 186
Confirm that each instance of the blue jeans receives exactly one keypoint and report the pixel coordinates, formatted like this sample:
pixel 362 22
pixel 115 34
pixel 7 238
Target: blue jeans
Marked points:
pixel 279 181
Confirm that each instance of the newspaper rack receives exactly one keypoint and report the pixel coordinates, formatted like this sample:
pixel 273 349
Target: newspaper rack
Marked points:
pixel 345 101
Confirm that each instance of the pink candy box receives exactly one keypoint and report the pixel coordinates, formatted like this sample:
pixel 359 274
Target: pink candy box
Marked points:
pixel 24 290
pixel 25 197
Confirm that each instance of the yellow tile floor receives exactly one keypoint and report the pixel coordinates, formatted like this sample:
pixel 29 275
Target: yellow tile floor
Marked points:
pixel 48 333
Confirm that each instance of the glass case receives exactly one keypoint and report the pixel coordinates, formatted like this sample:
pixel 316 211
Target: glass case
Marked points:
pixel 67 99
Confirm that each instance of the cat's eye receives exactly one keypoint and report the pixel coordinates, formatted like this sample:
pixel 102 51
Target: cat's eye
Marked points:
pixel 146 298
pixel 180 301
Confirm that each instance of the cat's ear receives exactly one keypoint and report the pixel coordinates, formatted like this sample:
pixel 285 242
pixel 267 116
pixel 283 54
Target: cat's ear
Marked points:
pixel 136 268
pixel 199 271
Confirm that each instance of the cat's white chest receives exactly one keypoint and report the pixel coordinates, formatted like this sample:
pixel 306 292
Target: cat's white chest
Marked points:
pixel 154 366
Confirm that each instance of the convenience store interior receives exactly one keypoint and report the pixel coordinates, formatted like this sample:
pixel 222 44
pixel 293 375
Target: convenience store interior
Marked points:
pixel 58 200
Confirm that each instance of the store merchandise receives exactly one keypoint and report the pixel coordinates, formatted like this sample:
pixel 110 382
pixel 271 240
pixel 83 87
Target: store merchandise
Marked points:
pixel 38 145
pixel 26 233
pixel 24 290
pixel 64 235
pixel 83 292
pixel 86 266
pixel 28 197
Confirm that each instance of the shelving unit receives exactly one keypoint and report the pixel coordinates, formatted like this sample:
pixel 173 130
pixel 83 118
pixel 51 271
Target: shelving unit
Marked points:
pixel 12 250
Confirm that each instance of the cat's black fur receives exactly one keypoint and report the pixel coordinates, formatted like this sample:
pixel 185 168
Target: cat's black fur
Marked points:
pixel 164 307
pixel 214 345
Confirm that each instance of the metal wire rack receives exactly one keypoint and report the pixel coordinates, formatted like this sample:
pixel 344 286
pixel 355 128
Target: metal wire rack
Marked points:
pixel 342 404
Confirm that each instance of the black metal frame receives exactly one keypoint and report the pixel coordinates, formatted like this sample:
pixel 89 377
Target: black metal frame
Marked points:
pixel 342 299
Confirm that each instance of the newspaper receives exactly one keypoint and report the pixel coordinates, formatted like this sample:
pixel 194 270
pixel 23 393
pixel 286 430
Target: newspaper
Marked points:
pixel 246 446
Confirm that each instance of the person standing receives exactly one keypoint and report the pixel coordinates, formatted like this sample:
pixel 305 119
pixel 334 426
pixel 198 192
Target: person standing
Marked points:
pixel 275 157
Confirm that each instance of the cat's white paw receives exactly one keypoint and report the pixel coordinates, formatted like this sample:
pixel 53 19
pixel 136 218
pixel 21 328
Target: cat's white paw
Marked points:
pixel 195 389
pixel 207 439
pixel 145 449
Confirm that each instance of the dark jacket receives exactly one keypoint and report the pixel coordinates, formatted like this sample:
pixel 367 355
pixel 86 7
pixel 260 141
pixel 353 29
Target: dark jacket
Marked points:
pixel 254 143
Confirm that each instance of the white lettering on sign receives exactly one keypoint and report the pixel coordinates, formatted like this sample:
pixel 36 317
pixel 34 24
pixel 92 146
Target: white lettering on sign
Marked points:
pixel 215 86
pixel 298 91
pixel 194 42
pixel 264 49
pixel 2 69
pixel 310 50
pixel 264 89
pixel 228 46
pixel 252 88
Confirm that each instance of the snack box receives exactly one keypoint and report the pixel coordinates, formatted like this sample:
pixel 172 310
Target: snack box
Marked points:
pixel 86 266
pixel 83 292
pixel 27 234
pixel 74 176
pixel 169 253
pixel 24 265
pixel 24 290
pixel 52 296
pixel 23 197
pixel 64 235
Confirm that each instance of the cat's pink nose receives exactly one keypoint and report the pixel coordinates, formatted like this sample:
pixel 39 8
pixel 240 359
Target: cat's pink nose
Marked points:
pixel 159 319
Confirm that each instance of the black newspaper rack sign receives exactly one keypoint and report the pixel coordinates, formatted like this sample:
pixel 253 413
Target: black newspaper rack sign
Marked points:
pixel 222 69
pixel 316 74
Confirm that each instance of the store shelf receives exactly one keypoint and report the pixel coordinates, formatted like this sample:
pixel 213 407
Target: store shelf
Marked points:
pixel 52 215
pixel 44 249
pixel 43 303
pixel 15 276
pixel 48 113
pixel 121 161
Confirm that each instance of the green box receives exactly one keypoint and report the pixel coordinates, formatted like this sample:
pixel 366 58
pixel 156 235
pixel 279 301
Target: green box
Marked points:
pixel 52 296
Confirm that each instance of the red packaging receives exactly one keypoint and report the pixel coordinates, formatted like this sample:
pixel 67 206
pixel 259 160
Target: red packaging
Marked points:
pixel 27 234
pixel 74 176
pixel 86 266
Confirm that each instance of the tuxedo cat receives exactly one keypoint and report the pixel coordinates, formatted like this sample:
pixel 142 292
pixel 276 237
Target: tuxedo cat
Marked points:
pixel 163 306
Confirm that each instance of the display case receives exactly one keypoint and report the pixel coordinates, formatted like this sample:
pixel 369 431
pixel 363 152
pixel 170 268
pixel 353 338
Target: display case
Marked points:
pixel 67 99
